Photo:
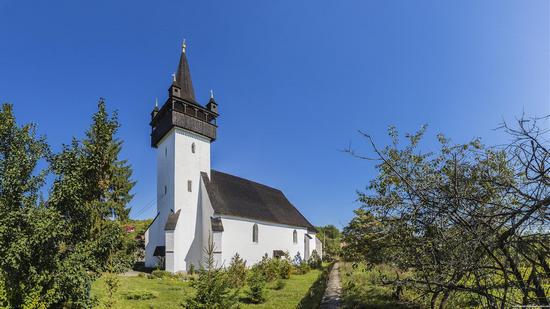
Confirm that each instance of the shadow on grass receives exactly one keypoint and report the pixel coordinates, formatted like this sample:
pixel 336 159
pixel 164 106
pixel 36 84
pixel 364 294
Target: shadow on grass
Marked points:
pixel 314 295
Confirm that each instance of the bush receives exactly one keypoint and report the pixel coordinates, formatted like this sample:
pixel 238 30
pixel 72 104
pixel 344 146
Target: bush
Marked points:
pixel 236 272
pixel 303 268
pixel 269 268
pixel 140 295
pixel 315 260
pixel 285 269
pixel 212 285
pixel 256 283
pixel 161 274
pixel 279 284
pixel 191 270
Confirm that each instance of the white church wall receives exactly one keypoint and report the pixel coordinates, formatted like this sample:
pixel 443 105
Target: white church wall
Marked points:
pixel 207 211
pixel 187 168
pixel 237 238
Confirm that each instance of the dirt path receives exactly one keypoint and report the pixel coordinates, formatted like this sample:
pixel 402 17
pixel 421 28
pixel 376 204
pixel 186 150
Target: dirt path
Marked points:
pixel 332 298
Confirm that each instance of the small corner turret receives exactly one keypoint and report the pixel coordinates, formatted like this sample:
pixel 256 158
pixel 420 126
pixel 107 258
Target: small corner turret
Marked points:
pixel 181 109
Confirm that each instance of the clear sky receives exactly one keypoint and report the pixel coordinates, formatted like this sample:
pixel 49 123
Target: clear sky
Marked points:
pixel 294 80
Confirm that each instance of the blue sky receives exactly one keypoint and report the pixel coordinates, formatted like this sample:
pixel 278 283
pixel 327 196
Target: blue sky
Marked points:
pixel 294 80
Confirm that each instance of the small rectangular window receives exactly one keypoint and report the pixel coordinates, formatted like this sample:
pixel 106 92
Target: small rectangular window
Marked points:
pixel 189 185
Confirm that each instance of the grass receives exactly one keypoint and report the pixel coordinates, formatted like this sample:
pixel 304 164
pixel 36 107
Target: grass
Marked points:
pixel 169 292
pixel 362 289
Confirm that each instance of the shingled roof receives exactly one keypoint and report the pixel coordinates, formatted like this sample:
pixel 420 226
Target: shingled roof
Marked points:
pixel 234 196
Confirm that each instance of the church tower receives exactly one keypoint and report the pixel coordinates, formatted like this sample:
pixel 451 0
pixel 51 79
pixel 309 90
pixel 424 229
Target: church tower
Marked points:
pixel 181 131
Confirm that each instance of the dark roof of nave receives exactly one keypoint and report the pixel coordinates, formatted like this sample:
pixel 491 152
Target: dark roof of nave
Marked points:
pixel 234 196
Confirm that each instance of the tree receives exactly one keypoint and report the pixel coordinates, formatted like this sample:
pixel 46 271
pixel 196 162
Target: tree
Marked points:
pixel 468 220
pixel 29 230
pixel 50 252
pixel 92 189
pixel 330 236
pixel 212 285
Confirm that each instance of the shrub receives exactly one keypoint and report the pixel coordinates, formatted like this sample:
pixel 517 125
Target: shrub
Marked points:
pixel 285 269
pixel 161 274
pixel 212 285
pixel 256 283
pixel 303 268
pixel 315 260
pixel 140 295
pixel 111 285
pixel 236 272
pixel 191 270
pixel 269 268
pixel 279 284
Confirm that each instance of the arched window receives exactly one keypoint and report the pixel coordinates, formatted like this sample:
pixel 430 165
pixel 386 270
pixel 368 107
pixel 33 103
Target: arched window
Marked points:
pixel 255 233
pixel 193 148
pixel 295 237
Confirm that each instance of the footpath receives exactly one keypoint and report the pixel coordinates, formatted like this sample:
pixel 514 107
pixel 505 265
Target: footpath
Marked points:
pixel 332 296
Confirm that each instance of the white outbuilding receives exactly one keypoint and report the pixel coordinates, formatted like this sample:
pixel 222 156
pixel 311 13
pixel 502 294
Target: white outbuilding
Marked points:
pixel 197 205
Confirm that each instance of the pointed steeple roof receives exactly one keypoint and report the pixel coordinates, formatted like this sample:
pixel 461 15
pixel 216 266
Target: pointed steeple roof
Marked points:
pixel 183 77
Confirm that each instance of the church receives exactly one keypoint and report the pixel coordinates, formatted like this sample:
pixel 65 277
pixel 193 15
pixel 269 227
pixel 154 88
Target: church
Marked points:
pixel 198 206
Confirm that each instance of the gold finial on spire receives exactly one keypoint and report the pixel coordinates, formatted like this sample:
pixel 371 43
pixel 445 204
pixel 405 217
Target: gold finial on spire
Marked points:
pixel 211 94
pixel 183 46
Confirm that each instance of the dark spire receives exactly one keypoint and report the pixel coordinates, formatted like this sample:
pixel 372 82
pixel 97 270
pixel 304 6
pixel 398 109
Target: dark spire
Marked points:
pixel 183 77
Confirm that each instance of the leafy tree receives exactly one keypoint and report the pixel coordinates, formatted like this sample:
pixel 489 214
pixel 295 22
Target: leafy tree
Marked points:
pixel 468 220
pixel 330 236
pixel 363 239
pixel 50 252
pixel 29 230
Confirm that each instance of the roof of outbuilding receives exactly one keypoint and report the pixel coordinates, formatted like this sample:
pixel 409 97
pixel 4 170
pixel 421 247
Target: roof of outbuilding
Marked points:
pixel 234 196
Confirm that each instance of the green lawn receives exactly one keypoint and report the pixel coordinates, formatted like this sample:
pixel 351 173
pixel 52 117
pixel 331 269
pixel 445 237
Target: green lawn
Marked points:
pixel 170 292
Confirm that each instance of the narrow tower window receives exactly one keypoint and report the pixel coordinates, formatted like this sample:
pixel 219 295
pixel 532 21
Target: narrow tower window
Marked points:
pixel 193 148
pixel 166 151
pixel 189 185
pixel 255 233
pixel 165 189
pixel 295 237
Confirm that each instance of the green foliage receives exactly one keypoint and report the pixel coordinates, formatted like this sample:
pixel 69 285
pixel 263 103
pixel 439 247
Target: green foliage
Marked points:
pixel 256 285
pixel 302 268
pixel 279 284
pixel 140 295
pixel 52 251
pixel 212 285
pixel 269 268
pixel 330 237
pixel 159 274
pixel 364 286
pixel 112 283
pixel 314 295
pixel 314 260
pixel 191 269
pixel 236 272
pixel 361 238
pixel 468 221
pixel 285 269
